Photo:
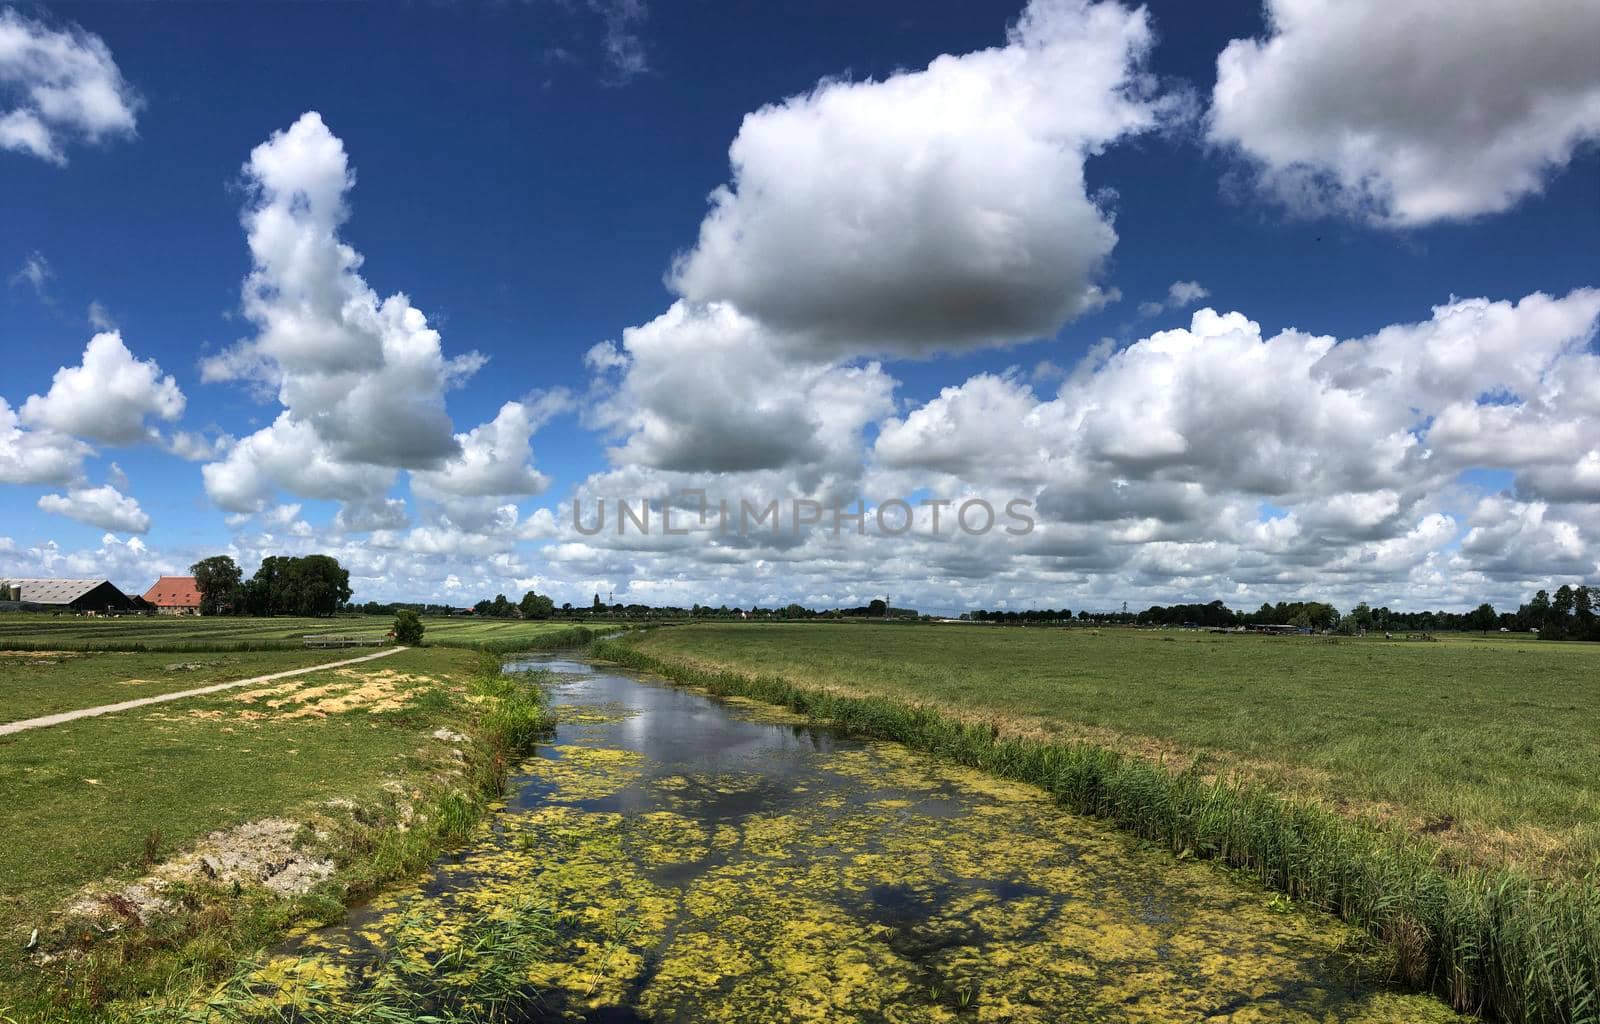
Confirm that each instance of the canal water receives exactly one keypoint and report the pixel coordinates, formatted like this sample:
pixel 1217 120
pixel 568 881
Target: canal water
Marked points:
pixel 707 860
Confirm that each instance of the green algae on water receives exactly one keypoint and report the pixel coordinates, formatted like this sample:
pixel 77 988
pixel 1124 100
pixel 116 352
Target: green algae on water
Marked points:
pixel 703 863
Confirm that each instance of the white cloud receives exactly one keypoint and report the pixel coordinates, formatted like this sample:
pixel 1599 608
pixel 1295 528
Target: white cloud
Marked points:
pixel 105 507
pixel 107 397
pixel 35 272
pixel 37 456
pixel 625 50
pixel 496 458
pixel 1527 541
pixel 361 379
pixel 1407 112
pixel 289 455
pixel 375 514
pixel 706 389
pixel 937 209
pixel 100 317
pixel 1151 465
pixel 58 86
pixel 1180 295
pixel 193 447
pixel 367 374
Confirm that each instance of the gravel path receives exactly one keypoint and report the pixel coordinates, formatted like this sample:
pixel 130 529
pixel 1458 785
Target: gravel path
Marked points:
pixel 106 709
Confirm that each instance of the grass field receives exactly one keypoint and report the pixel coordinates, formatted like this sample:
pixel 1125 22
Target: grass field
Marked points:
pixel 371 769
pixel 35 683
pixel 33 631
pixel 1490 747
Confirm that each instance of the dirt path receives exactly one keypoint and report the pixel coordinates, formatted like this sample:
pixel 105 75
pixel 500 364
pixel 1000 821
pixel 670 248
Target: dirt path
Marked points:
pixel 106 709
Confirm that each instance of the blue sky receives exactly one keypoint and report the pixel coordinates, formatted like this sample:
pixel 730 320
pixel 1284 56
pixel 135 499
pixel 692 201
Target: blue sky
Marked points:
pixel 526 173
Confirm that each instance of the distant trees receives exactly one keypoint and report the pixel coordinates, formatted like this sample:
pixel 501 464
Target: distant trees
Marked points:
pixel 307 585
pixel 499 608
pixel 219 580
pixel 283 585
pixel 1569 615
pixel 536 606
pixel 1025 615
pixel 1483 617
pixel 407 627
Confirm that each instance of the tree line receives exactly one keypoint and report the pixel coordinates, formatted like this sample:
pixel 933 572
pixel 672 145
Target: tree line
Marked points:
pixel 283 585
pixel 1568 614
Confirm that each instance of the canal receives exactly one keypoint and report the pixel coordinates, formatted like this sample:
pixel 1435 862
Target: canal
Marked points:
pixel 691 859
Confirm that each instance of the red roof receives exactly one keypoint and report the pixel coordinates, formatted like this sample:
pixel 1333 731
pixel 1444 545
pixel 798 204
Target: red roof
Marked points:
pixel 174 592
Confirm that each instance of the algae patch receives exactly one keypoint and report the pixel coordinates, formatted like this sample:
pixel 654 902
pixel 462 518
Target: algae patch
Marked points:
pixel 698 862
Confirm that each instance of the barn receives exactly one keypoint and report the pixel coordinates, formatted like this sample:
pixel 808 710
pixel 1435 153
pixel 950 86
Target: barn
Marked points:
pixel 175 595
pixel 91 596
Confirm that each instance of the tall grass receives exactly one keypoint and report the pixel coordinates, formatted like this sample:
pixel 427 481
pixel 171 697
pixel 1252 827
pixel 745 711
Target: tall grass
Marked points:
pixel 1494 943
pixel 481 977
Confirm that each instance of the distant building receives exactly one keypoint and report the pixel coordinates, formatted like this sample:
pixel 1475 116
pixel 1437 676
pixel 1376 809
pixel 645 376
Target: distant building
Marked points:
pixel 175 595
pixel 90 596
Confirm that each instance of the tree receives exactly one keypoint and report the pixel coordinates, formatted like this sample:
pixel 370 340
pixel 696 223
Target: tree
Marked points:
pixel 536 606
pixel 1483 617
pixel 407 627
pixel 312 585
pixel 218 580
pixel 1584 625
pixel 1558 620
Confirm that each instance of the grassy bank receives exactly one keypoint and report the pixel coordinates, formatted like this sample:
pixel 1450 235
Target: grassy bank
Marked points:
pixel 1492 942
pixel 353 777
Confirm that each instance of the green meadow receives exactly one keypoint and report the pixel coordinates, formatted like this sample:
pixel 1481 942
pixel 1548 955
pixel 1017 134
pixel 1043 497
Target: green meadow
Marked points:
pixel 1488 746
pixel 363 772
pixel 33 631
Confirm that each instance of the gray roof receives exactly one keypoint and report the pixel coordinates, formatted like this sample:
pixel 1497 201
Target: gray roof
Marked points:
pixel 53 591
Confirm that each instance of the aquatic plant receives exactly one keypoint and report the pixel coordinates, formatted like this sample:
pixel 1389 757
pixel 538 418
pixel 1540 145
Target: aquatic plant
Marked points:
pixel 1491 942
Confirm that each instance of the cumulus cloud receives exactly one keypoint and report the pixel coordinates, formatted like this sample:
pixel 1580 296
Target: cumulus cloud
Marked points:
pixel 496 458
pixel 105 507
pixel 289 455
pixel 196 447
pixel 1159 460
pixel 375 514
pixel 58 86
pixel 107 397
pixel 37 456
pixel 1412 112
pixel 706 389
pixel 361 379
pixel 937 209
pixel 1180 295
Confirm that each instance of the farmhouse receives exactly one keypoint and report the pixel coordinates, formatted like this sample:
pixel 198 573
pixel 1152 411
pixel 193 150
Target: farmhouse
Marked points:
pixel 175 595
pixel 91 596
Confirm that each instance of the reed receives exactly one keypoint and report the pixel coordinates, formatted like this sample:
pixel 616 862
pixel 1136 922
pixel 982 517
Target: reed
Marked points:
pixel 1490 942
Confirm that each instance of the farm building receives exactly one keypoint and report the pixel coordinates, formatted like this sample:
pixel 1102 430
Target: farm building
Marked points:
pixel 71 595
pixel 175 595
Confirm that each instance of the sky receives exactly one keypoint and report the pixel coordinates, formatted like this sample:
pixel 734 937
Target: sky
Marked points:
pixel 1284 301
